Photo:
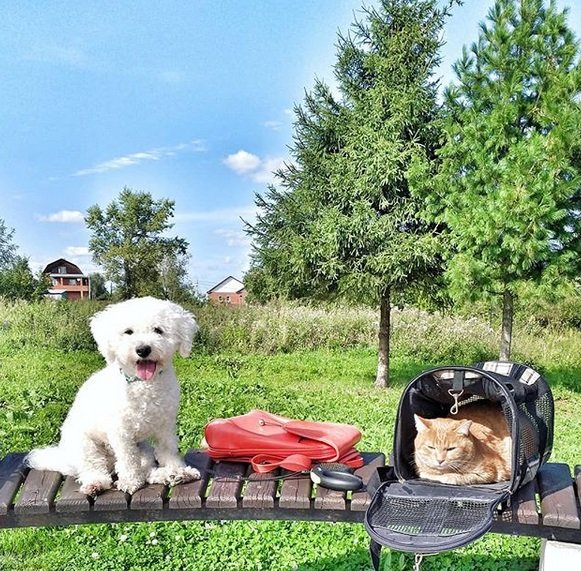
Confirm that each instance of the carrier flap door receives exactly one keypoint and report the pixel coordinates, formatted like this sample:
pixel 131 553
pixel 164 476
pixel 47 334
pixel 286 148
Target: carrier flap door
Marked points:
pixel 427 517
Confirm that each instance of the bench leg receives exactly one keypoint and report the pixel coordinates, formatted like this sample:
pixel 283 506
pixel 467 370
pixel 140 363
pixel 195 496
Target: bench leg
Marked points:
pixel 559 556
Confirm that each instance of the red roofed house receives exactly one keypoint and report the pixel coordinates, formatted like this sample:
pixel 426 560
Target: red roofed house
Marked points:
pixel 68 281
pixel 229 291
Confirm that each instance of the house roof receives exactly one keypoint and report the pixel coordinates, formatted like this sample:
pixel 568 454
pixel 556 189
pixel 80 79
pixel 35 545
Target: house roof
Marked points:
pixel 72 269
pixel 228 285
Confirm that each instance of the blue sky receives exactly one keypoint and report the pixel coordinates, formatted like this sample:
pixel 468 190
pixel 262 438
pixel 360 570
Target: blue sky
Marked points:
pixel 190 101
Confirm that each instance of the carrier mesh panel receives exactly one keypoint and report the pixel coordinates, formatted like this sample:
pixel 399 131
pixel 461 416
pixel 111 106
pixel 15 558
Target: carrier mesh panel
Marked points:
pixel 428 516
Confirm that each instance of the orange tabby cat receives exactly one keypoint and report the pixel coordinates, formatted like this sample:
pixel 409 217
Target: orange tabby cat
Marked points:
pixel 471 447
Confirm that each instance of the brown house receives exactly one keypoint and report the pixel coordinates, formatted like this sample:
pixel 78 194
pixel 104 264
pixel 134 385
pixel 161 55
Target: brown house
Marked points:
pixel 230 291
pixel 67 281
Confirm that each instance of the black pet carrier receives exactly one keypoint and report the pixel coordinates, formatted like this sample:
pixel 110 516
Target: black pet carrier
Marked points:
pixel 424 516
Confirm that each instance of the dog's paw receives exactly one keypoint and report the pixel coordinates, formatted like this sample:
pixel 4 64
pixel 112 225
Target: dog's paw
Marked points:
pixel 91 485
pixel 170 476
pixel 129 484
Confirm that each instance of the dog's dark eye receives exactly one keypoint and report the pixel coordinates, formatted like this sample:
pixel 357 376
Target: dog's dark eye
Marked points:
pixel 158 330
pixel 128 332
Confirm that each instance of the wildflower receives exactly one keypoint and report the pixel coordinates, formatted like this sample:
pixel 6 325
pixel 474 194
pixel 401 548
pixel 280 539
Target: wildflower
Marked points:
pixel 95 555
pixel 122 538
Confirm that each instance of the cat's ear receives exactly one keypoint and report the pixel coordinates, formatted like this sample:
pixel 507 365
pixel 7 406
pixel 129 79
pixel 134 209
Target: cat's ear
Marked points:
pixel 464 428
pixel 421 424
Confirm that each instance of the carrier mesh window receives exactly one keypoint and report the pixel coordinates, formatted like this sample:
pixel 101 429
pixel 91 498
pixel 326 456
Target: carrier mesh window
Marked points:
pixel 429 516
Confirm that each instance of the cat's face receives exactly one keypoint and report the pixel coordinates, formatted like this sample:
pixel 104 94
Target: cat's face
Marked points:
pixel 443 445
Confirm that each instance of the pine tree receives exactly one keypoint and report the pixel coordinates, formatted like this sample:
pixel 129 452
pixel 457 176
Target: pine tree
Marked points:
pixel 343 221
pixel 508 194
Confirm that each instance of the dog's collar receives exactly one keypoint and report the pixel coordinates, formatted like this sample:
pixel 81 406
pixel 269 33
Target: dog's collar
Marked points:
pixel 132 378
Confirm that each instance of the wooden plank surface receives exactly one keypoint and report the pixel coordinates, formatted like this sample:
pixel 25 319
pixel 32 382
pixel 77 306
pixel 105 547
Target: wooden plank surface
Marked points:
pixel 260 490
pixel 373 460
pixel 226 485
pixel 295 492
pixel 150 497
pixel 558 502
pixel 326 499
pixel 111 500
pixel 71 499
pixel 38 492
pixel 12 471
pixel 190 494
pixel 524 504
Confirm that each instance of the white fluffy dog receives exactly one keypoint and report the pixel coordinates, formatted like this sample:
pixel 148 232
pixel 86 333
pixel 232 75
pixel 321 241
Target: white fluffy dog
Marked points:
pixel 133 401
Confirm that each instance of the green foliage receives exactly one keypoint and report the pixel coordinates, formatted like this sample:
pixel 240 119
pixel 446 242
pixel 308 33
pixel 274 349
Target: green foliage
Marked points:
pixel 229 334
pixel 18 282
pixel 98 287
pixel 508 191
pixel 7 247
pixel 37 385
pixel 128 241
pixel 343 221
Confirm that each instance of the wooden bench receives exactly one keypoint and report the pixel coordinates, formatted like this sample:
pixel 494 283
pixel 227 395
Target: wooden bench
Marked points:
pixel 548 507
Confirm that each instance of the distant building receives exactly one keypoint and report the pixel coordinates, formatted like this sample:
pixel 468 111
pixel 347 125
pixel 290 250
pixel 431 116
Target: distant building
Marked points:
pixel 67 281
pixel 229 291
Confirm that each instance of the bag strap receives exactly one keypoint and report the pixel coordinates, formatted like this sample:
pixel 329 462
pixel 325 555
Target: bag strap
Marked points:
pixel 262 463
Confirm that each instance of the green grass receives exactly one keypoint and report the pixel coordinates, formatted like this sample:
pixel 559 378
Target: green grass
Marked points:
pixel 333 381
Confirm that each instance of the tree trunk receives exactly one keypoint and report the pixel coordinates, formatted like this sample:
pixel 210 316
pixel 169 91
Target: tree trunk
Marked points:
pixel 382 377
pixel 506 333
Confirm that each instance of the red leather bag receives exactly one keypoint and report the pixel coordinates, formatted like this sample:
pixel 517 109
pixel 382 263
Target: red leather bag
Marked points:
pixel 269 441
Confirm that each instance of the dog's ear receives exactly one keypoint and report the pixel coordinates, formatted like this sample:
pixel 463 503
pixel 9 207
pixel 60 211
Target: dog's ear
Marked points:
pixel 187 328
pixel 101 330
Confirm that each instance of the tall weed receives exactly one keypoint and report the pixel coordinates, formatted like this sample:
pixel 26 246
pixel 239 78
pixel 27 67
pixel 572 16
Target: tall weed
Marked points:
pixel 288 327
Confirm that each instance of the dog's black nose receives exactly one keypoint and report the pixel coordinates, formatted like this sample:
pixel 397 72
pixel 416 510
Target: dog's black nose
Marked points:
pixel 143 351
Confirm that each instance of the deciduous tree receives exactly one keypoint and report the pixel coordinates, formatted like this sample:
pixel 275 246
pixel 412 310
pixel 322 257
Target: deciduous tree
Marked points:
pixel 128 239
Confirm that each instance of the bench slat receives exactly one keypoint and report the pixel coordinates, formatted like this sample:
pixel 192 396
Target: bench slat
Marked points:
pixel 12 471
pixel 111 500
pixel 226 485
pixel 295 493
pixel 524 504
pixel 373 460
pixel 326 499
pixel 150 497
pixel 71 499
pixel 38 492
pixel 558 504
pixel 260 491
pixel 190 494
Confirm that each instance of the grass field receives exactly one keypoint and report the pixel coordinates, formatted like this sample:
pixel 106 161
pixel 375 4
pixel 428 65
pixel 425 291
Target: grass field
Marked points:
pixel 331 379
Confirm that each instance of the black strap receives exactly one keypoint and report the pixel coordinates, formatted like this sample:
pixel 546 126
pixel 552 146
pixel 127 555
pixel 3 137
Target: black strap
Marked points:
pixel 380 475
pixel 375 552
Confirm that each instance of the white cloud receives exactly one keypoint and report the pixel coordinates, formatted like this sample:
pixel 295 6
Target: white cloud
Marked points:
pixel 259 169
pixel 265 174
pixel 77 251
pixel 196 146
pixel 274 125
pixel 65 216
pixel 233 238
pixel 242 162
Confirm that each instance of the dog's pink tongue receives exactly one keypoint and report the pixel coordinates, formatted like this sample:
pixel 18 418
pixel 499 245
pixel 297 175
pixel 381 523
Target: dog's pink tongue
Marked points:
pixel 145 369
